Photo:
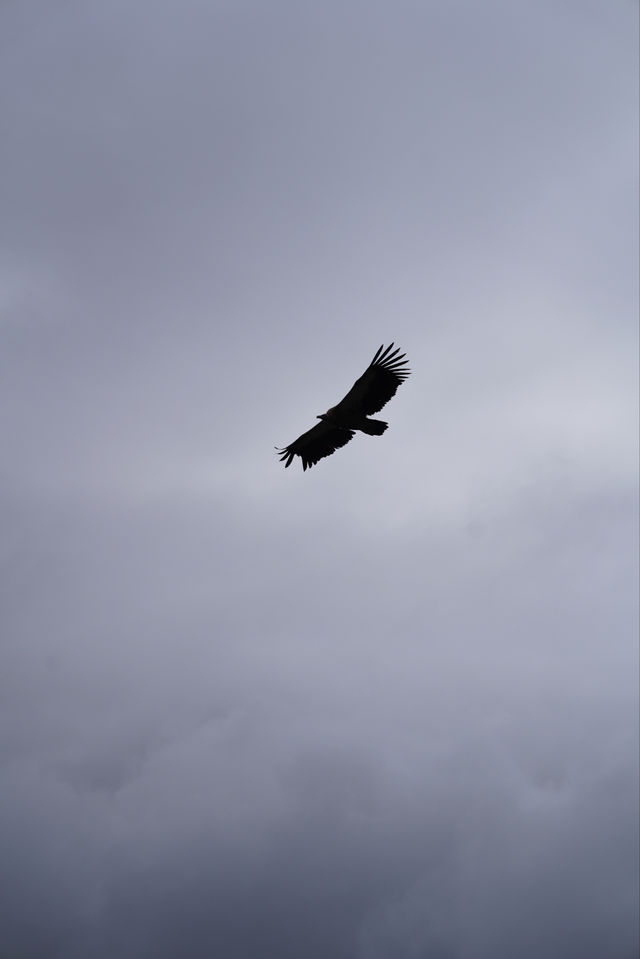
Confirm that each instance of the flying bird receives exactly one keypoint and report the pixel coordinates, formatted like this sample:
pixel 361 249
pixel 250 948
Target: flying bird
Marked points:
pixel 337 426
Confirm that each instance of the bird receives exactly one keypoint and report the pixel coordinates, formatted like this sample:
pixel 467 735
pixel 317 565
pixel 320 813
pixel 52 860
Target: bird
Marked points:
pixel 337 426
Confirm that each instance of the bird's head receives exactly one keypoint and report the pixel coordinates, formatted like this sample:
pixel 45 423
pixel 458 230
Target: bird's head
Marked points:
pixel 321 416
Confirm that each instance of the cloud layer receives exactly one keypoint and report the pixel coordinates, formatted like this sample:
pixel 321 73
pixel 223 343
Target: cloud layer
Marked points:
pixel 385 709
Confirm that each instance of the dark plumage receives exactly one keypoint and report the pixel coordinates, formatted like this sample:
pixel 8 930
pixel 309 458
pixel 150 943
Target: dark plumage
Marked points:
pixel 337 426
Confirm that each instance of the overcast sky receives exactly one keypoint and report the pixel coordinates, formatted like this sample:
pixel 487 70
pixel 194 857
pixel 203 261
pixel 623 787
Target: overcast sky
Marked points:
pixel 386 708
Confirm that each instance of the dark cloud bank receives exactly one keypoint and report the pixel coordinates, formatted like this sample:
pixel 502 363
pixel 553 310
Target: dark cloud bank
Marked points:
pixel 386 709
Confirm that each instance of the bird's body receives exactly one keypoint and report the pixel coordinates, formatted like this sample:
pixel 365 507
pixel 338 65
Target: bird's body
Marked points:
pixel 337 426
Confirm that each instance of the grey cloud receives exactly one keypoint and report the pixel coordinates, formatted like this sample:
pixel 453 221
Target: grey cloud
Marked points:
pixel 387 708
pixel 274 778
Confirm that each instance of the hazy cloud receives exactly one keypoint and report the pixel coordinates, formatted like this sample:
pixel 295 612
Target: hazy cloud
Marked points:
pixel 387 709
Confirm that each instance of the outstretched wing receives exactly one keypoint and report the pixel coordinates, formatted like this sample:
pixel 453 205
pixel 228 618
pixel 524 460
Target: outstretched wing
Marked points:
pixel 320 441
pixel 378 383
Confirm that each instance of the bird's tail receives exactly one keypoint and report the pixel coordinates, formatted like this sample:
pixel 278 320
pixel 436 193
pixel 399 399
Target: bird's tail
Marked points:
pixel 374 427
